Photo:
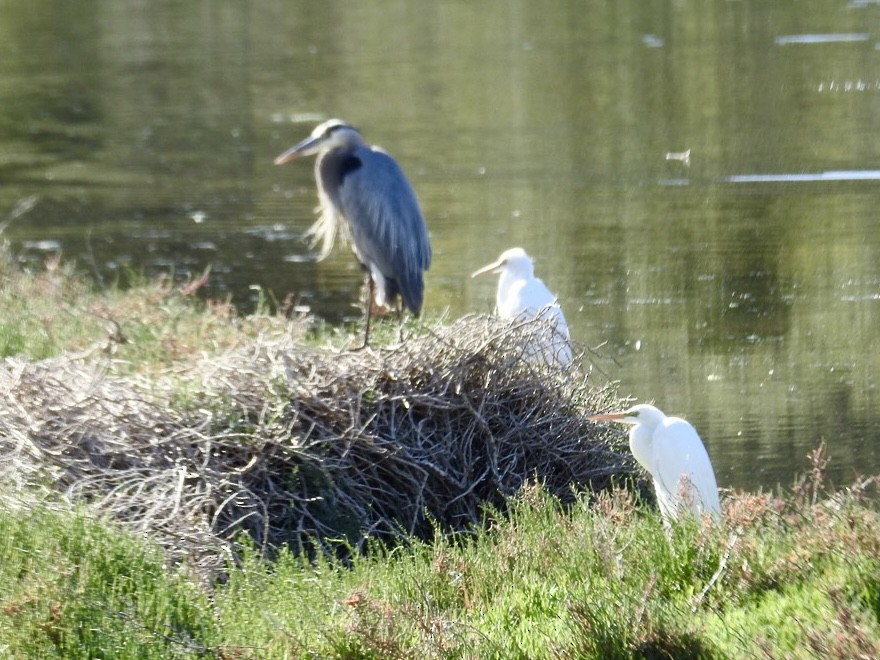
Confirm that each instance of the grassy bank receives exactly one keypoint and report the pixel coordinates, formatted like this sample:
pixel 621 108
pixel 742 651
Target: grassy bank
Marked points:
pixel 188 438
pixel 781 578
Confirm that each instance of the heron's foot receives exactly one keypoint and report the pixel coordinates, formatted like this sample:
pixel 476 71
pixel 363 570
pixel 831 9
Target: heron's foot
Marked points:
pixel 366 341
pixel 380 310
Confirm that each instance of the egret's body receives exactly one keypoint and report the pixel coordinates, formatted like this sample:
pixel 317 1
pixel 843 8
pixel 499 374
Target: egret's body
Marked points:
pixel 365 186
pixel 522 296
pixel 670 449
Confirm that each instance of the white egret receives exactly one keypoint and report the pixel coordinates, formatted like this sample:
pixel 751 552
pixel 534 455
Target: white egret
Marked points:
pixel 522 296
pixel 670 449
pixel 366 187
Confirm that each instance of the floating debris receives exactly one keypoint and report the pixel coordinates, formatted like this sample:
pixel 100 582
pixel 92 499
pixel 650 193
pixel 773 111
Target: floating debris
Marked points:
pixel 683 156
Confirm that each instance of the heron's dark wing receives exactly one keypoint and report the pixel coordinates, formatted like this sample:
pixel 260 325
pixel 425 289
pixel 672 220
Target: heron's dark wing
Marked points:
pixel 386 222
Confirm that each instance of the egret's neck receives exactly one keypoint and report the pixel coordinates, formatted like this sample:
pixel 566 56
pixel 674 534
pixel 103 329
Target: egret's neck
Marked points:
pixel 507 283
pixel 640 440
pixel 506 280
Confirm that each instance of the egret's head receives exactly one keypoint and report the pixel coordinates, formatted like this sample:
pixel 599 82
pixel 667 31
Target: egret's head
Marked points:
pixel 332 134
pixel 641 413
pixel 515 261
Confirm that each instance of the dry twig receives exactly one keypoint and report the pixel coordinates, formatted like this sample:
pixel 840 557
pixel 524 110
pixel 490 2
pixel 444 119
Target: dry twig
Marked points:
pixel 301 447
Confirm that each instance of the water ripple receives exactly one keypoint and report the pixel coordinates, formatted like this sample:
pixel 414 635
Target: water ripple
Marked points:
pixel 831 38
pixel 830 175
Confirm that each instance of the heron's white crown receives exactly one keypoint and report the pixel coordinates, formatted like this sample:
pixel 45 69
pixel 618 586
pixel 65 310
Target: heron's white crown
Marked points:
pixel 335 133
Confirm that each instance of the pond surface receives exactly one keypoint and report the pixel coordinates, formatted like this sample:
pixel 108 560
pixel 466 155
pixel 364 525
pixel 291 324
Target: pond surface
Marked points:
pixel 697 181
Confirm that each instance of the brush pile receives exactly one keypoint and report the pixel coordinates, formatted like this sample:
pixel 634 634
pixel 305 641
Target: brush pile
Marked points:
pixel 309 448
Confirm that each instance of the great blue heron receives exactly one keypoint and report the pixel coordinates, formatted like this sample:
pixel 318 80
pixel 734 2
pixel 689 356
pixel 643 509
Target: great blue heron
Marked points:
pixel 522 296
pixel 365 186
pixel 675 457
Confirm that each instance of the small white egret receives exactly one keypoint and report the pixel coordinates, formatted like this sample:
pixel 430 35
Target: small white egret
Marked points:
pixel 670 449
pixel 365 186
pixel 522 296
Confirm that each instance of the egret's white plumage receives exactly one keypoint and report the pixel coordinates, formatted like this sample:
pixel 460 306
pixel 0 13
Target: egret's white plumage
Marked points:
pixel 670 449
pixel 522 296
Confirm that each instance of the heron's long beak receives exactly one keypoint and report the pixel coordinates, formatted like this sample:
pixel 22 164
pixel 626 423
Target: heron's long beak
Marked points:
pixel 495 265
pixel 307 147
pixel 607 417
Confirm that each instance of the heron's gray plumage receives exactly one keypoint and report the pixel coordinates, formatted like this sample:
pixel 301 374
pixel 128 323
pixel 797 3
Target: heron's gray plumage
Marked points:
pixel 369 190
pixel 365 186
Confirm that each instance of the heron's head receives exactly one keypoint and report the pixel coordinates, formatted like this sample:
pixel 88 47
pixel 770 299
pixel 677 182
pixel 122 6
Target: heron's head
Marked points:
pixel 515 261
pixel 641 413
pixel 332 134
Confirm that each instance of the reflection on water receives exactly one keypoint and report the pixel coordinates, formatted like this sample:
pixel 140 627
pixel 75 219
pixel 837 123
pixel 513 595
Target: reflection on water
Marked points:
pixel 842 175
pixel 141 136
pixel 821 38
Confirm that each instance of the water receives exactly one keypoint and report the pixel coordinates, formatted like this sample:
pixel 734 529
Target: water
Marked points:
pixel 739 287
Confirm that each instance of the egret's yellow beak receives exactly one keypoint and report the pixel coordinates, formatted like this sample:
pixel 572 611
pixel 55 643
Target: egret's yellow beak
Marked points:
pixel 494 266
pixel 608 417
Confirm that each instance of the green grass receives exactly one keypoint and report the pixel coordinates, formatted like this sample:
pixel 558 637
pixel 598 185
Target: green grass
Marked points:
pixel 781 578
pixel 147 326
pixel 790 576
pixel 36 319
pixel 71 587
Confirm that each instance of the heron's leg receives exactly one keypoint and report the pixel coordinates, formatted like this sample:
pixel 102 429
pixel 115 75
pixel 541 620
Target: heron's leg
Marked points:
pixel 369 311
pixel 399 306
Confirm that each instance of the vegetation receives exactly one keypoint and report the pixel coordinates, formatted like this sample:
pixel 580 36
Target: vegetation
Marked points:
pixel 781 578
pixel 540 567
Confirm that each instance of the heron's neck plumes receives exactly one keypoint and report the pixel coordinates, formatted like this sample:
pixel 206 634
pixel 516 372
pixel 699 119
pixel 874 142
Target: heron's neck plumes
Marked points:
pixel 329 222
pixel 325 228
pixel 323 231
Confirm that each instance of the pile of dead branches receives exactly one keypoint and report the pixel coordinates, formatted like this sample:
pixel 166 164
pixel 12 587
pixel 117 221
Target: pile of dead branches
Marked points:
pixel 309 447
